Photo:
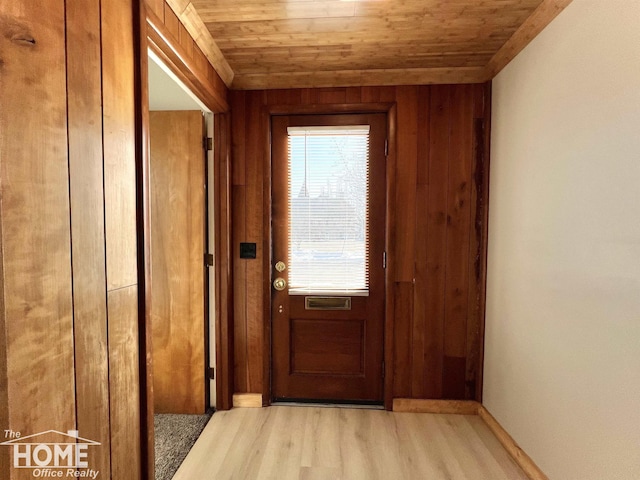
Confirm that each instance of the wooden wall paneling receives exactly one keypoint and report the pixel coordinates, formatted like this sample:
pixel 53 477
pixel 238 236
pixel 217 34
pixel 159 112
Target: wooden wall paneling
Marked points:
pixel 254 218
pixel 238 136
pixel 224 265
pixel 124 383
pixel 418 347
pixel 404 249
pixel 370 94
pixel 87 226
pixel 377 94
pixel 418 371
pixel 37 287
pixel 407 151
pixel 157 7
pixel 214 79
pixel 240 332
pixel 387 94
pixel 403 301
pixel 310 96
pixel 189 46
pixel 119 143
pixel 478 242
pixel 179 6
pixel 284 97
pixel 458 232
pixel 200 61
pixel 472 327
pixel 171 22
pixel 177 246
pixel 354 78
pixel 389 337
pixel 121 223
pixel 419 169
pixel 424 120
pixel 353 95
pixel 483 217
pixel 332 95
pixel 435 242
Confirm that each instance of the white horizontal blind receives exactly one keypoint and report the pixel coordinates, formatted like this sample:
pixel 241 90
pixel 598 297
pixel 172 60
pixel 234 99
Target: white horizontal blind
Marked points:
pixel 328 224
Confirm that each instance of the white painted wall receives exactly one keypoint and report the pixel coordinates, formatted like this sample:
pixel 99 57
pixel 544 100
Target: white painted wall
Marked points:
pixel 562 365
pixel 166 92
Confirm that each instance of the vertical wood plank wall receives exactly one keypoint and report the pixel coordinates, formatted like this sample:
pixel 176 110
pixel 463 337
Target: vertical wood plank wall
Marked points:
pixel 37 316
pixel 439 178
pixel 84 77
pixel 119 126
pixel 68 271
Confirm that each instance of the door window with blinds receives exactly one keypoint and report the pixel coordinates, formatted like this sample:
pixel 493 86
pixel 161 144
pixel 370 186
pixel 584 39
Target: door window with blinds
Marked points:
pixel 328 187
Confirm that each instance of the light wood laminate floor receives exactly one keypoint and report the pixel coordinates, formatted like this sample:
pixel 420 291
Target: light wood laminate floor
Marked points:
pixel 315 443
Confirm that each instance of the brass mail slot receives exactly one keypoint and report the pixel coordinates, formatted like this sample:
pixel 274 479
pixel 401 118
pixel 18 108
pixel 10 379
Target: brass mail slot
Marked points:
pixel 327 303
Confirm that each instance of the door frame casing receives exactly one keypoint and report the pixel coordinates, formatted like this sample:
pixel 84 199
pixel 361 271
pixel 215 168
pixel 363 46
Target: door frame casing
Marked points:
pixel 155 37
pixel 390 110
pixel 151 34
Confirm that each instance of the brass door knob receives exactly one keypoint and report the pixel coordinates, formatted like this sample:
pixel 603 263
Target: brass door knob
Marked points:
pixel 279 284
pixel 280 266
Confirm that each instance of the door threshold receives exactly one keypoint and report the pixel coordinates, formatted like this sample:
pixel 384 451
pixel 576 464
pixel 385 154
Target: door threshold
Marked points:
pixel 321 404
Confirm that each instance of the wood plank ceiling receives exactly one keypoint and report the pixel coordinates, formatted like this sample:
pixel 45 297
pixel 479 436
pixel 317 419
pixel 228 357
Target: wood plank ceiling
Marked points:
pixel 313 43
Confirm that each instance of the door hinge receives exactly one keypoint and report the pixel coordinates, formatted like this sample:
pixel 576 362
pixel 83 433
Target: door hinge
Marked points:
pixel 384 260
pixel 212 373
pixel 208 260
pixel 382 368
pixel 386 148
pixel 207 143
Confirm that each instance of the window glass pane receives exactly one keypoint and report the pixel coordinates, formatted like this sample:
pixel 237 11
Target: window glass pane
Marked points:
pixel 328 191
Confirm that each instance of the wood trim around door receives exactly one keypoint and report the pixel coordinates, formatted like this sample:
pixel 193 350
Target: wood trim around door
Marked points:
pixel 141 58
pixel 151 33
pixel 390 110
pixel 174 56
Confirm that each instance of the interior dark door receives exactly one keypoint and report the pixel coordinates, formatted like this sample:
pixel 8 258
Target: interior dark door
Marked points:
pixel 328 224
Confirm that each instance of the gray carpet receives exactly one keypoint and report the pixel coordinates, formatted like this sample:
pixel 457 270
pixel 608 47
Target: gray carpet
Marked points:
pixel 174 437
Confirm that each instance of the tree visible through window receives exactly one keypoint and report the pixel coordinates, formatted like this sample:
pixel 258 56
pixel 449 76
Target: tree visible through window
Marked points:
pixel 328 224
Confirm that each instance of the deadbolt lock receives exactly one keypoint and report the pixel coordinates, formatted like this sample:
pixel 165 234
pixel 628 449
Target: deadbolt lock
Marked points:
pixel 279 284
pixel 280 266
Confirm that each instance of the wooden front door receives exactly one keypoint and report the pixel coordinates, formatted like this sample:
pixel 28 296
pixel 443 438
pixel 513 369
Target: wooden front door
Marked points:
pixel 328 227
pixel 178 223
